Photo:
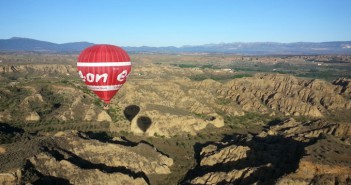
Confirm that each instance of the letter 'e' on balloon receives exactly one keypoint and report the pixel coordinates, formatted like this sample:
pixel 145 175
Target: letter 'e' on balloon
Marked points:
pixel 104 69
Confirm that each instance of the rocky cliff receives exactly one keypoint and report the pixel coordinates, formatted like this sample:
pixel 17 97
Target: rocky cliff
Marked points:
pixel 170 103
pixel 167 101
pixel 285 94
pixel 40 69
pixel 45 103
pixel 291 152
pixel 285 152
pixel 73 157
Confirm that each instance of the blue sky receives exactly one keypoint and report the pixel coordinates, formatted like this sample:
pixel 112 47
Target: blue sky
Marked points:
pixel 177 22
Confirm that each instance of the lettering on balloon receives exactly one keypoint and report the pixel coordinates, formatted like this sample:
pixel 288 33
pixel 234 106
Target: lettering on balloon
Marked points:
pixel 104 76
pixel 90 77
pixel 122 75
pixel 81 75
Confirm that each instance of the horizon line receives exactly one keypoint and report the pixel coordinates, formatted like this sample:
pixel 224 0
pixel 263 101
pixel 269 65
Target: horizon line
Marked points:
pixel 186 45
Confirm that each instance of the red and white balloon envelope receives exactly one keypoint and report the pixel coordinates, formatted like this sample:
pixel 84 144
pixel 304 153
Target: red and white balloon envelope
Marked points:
pixel 104 69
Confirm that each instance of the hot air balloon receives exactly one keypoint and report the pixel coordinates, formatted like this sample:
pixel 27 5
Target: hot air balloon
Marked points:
pixel 104 69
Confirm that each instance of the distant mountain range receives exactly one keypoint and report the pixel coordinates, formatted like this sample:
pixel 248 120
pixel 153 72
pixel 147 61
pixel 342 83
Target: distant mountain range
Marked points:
pixel 17 44
pixel 25 44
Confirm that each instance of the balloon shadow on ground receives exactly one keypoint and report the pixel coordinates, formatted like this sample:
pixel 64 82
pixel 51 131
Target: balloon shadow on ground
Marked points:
pixel 144 123
pixel 131 111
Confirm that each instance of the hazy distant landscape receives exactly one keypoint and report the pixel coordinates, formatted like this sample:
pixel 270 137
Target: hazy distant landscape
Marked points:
pixel 254 48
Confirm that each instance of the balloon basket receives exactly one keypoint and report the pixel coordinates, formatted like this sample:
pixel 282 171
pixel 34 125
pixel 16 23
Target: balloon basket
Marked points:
pixel 106 107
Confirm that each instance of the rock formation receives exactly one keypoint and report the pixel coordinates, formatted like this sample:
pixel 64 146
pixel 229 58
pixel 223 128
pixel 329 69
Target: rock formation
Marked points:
pixel 291 152
pixel 103 116
pixel 39 69
pixel 2 150
pixel 344 86
pixel 5 116
pixel 77 175
pixel 155 123
pixel 285 94
pixel 75 158
pixel 48 102
pixel 167 103
pixel 172 104
pixel 32 117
